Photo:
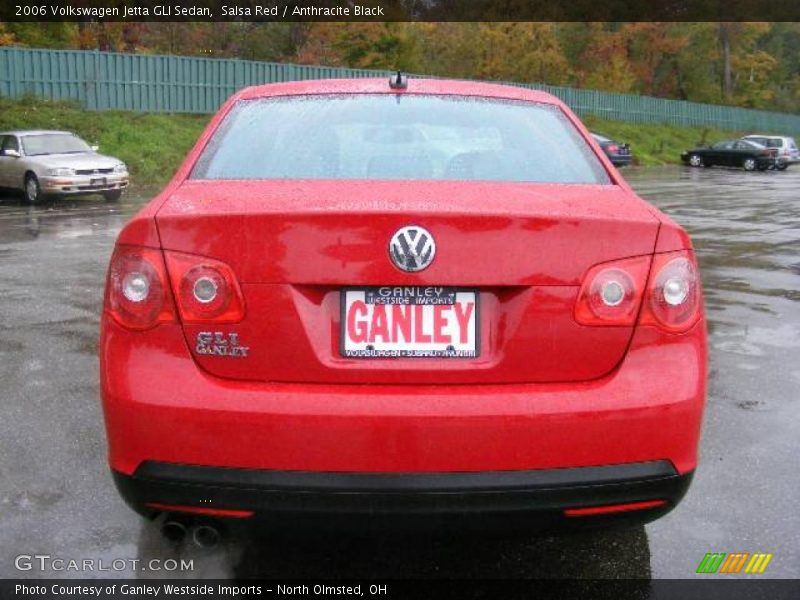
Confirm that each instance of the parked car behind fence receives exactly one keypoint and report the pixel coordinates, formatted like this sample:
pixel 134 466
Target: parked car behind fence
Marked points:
pixel 786 147
pixel 732 153
pixel 54 163
pixel 619 154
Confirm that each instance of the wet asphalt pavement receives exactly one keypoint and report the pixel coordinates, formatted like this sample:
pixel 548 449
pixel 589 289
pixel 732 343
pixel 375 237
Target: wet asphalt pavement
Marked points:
pixel 57 497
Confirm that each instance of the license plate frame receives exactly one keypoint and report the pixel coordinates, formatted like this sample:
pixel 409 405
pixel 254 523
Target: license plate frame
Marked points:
pixel 413 354
pixel 98 182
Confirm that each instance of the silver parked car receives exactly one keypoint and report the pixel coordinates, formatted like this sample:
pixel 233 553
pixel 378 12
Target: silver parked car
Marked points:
pixel 53 163
pixel 786 147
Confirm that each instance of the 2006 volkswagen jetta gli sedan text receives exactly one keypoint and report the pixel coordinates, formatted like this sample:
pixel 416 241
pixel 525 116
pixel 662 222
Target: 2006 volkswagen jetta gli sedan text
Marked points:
pixel 418 297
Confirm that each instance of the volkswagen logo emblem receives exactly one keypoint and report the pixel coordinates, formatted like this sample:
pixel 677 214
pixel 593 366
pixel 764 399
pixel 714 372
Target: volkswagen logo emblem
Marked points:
pixel 412 248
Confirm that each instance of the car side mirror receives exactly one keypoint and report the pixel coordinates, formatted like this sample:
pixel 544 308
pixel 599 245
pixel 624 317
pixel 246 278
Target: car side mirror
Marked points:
pixel 11 152
pixel 94 148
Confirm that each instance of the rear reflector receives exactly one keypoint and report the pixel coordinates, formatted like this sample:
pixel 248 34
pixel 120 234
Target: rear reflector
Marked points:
pixel 201 510
pixel 612 508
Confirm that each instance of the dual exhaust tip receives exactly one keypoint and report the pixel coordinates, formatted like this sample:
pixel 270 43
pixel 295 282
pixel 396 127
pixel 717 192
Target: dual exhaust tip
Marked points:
pixel 205 535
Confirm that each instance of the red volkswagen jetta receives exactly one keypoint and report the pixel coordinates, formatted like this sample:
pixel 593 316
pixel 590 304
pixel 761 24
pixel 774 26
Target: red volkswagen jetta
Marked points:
pixel 407 297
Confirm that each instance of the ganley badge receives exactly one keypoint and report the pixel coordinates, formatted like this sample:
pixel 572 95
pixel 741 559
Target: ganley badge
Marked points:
pixel 412 248
pixel 217 343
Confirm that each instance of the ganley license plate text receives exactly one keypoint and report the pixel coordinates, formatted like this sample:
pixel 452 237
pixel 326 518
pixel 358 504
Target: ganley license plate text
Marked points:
pixel 409 322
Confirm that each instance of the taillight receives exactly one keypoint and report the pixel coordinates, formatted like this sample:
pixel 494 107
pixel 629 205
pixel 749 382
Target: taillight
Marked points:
pixel 137 292
pixel 206 289
pixel 613 148
pixel 611 292
pixel 673 299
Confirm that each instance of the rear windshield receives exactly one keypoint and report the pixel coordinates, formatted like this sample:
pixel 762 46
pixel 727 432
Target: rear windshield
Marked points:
pixel 384 136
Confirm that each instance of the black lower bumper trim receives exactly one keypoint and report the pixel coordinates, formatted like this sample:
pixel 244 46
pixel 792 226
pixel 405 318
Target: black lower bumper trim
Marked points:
pixel 275 493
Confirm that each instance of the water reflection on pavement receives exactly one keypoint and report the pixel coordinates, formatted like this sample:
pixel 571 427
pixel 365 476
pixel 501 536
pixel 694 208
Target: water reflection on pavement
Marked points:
pixel 58 499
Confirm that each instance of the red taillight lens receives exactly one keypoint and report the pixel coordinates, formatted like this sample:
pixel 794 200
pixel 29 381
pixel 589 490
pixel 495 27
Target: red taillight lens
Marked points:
pixel 137 293
pixel 206 289
pixel 673 292
pixel 611 292
pixel 613 148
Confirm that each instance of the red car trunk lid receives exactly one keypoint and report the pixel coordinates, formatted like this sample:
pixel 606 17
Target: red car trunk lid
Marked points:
pixel 293 245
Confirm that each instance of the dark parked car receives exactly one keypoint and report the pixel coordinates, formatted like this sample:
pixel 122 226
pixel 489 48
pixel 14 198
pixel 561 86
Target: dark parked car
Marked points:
pixel 619 154
pixel 732 153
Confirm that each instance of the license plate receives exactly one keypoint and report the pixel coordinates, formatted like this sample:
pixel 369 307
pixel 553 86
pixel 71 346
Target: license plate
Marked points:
pixel 99 181
pixel 409 322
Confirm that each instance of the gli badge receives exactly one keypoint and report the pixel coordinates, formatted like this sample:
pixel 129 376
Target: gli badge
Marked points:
pixel 218 343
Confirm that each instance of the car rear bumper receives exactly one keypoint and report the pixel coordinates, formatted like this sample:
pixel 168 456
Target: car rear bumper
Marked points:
pixel 769 161
pixel 620 160
pixel 612 494
pixel 161 408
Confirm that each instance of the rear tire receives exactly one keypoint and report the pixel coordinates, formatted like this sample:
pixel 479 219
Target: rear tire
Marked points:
pixel 782 166
pixel 695 160
pixel 112 195
pixel 33 191
pixel 749 164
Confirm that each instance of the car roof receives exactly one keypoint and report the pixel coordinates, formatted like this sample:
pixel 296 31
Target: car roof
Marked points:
pixel 415 86
pixel 24 132
pixel 771 137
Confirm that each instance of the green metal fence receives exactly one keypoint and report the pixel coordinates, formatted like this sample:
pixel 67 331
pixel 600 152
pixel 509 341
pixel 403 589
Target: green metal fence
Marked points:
pixel 150 83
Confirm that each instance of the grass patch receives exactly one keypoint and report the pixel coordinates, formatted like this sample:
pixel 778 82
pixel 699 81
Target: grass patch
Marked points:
pixel 655 144
pixel 153 145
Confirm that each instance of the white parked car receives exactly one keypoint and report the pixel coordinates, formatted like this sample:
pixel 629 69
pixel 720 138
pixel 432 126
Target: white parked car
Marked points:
pixel 54 163
pixel 786 146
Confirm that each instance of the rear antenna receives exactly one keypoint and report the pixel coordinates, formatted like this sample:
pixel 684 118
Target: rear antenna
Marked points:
pixel 398 82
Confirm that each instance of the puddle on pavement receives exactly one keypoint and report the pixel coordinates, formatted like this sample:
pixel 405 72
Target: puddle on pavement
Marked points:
pixel 746 230
pixel 67 218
